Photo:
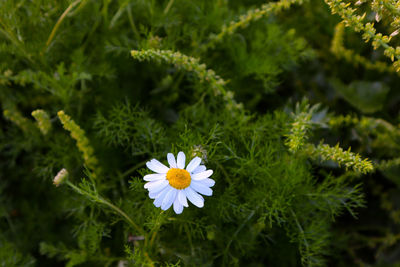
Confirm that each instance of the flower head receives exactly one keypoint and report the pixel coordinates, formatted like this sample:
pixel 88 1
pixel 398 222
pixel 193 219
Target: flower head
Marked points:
pixel 174 185
pixel 60 177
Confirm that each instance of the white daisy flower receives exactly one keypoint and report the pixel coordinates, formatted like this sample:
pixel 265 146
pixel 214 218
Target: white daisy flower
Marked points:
pixel 174 185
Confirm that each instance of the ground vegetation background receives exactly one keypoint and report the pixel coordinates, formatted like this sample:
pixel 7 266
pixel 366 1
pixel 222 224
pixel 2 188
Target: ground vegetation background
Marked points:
pixel 293 104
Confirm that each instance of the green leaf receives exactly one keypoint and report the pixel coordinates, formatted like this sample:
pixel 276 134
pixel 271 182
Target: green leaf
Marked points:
pixel 368 97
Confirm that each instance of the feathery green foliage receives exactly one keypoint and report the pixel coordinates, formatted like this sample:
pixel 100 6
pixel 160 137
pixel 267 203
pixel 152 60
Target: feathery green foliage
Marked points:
pixel 244 85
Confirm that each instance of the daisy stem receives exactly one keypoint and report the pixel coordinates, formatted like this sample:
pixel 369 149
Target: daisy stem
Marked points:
pixel 155 230
pixel 148 258
pixel 153 236
pixel 103 201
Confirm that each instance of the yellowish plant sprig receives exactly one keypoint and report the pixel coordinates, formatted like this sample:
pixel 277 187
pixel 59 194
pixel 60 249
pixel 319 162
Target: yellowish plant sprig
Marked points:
pixel 16 117
pixel 298 132
pixel 340 51
pixel 301 124
pixel 5 77
pixel 343 158
pixel 379 127
pixel 43 120
pixel 82 142
pixel 192 64
pixel 365 123
pixel 356 22
pixel 379 124
pixel 387 8
pixel 347 120
pixel 246 19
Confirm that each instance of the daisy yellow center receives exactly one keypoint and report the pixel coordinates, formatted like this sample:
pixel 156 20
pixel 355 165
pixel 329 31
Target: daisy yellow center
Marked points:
pixel 178 178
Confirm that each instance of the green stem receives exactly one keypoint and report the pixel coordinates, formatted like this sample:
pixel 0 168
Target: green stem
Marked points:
pixel 301 231
pixel 167 8
pixel 103 201
pixel 132 23
pixel 238 230
pixel 59 21
pixel 155 230
pixel 134 168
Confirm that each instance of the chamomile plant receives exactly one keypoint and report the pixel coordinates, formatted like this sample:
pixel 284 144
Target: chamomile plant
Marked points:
pixel 176 184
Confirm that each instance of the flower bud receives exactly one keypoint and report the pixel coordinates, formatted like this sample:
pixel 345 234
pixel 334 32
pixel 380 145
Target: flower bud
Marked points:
pixel 60 177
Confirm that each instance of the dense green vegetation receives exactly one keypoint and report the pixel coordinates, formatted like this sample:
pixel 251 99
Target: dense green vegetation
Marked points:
pixel 293 104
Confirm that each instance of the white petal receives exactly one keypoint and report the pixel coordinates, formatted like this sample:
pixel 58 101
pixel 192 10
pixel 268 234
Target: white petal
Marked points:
pixel 202 175
pixel 182 198
pixel 178 207
pixel 158 201
pixel 157 166
pixel 171 160
pixel 181 160
pixel 154 177
pixel 208 182
pixel 195 198
pixel 156 186
pixel 194 163
pixel 201 188
pixel 169 199
pixel 155 194
pixel 200 168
